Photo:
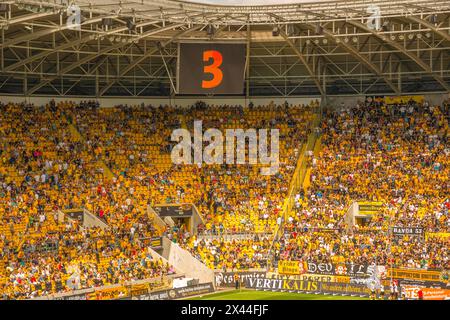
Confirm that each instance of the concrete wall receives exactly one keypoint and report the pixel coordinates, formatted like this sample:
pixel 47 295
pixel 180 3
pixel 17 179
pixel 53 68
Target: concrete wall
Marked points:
pixel 155 255
pixel 156 218
pixel 179 101
pixel 196 219
pixel 352 211
pixel 182 260
pixel 92 221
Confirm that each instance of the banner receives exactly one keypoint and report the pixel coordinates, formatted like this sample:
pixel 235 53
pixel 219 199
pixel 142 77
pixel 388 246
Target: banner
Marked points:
pixel 401 231
pixel 80 296
pixel 108 294
pixel 184 210
pixel 316 277
pixel 426 284
pixel 344 288
pixel 369 207
pixel 282 285
pixel 226 279
pixel 360 270
pixel 177 293
pixel 291 267
pixel 285 285
pixel 342 279
pixel 378 99
pixel 404 99
pixel 411 291
pixel 410 287
pixel 320 268
pixel 443 235
pixel 153 242
pixel 398 273
pixel 139 289
pixel 436 294
pixel 75 214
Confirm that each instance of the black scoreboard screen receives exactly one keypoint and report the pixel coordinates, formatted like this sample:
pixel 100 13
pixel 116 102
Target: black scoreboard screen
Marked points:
pixel 211 68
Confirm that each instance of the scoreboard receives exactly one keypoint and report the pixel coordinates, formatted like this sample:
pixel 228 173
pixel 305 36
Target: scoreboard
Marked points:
pixel 211 68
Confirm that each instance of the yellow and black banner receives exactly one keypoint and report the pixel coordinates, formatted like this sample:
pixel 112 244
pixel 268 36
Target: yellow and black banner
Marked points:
pixel 291 267
pixel 423 275
pixel 443 235
pixel 139 289
pixel 403 99
pixel 109 294
pixel 369 207
pixel 156 242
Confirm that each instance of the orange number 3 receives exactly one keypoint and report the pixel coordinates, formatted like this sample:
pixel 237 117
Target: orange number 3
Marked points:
pixel 212 68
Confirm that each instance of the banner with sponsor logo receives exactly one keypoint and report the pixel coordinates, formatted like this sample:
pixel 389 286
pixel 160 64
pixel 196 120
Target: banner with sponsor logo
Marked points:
pixel 344 288
pixel 282 285
pixel 291 267
pixel 402 231
pixel 285 285
pixel 436 294
pixel 177 293
pixel 411 291
pixel 410 287
pixel 226 279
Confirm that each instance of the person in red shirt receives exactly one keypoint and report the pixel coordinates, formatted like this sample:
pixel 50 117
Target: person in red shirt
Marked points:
pixel 420 294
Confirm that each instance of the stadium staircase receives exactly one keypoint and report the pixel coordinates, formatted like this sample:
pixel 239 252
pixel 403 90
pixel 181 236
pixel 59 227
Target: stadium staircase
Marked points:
pixel 77 137
pixel 300 179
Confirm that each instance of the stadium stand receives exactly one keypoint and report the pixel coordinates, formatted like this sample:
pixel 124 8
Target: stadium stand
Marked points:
pixel 54 158
pixel 94 205
pixel 396 155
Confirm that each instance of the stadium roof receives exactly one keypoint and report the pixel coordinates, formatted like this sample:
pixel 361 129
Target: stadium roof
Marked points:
pixel 297 48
